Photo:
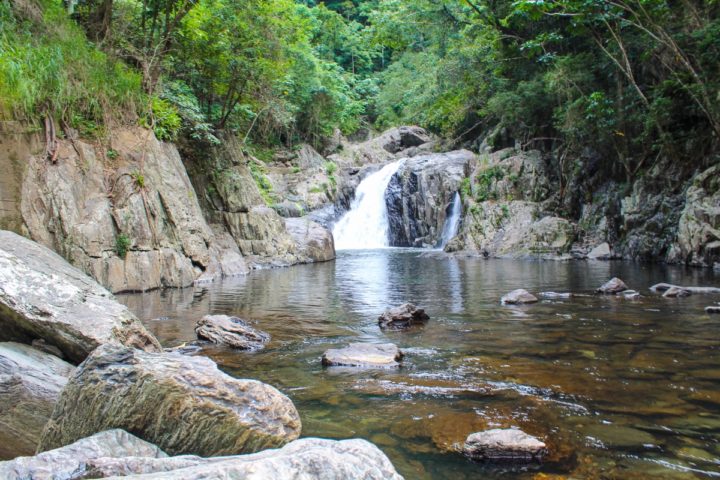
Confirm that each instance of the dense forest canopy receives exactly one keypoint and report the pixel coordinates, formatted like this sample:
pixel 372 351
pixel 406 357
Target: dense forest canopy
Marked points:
pixel 634 80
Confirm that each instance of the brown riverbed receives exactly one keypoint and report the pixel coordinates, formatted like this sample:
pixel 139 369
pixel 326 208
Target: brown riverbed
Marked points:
pixel 618 388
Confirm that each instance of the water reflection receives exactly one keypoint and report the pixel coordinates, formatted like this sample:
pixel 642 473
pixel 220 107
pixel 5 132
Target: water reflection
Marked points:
pixel 619 388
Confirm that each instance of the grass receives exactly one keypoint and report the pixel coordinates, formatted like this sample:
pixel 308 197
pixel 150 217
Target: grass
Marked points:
pixel 47 66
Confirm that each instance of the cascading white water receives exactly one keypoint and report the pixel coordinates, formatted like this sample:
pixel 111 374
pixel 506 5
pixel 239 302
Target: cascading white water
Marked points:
pixel 366 224
pixel 452 222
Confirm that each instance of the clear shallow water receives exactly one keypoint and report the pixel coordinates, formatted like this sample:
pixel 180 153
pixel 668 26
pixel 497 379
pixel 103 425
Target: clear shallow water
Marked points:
pixel 619 389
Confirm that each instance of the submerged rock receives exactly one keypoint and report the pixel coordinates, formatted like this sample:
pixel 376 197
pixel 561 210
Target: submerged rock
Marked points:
pixel 404 316
pixel 664 287
pixel 182 404
pixel 518 296
pixel 504 445
pixel 231 331
pixel 613 286
pixel 369 355
pixel 78 459
pixel 115 453
pixel 30 384
pixel 42 296
pixel 676 292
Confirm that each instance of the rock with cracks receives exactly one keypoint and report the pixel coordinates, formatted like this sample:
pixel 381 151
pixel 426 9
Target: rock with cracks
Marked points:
pixel 231 331
pixel 504 445
pixel 404 316
pixel 30 384
pixel 518 296
pixel 183 404
pixel 613 286
pixel 44 297
pixel 117 454
pixel 367 355
pixel 79 459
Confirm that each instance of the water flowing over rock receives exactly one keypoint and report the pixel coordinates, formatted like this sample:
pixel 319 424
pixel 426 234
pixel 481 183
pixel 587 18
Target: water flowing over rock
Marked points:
pixel 504 445
pixel 404 316
pixel 77 460
pixel 366 224
pixel 231 331
pixel 613 286
pixel 419 194
pixel 452 221
pixel 183 404
pixel 368 355
pixel 117 454
pixel 44 297
pixel 518 296
pixel 30 384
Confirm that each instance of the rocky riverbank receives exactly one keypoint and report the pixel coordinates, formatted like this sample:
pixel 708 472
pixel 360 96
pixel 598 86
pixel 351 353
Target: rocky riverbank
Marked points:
pixel 77 417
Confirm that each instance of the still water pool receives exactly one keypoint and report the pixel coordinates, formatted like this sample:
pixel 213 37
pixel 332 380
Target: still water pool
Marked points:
pixel 618 388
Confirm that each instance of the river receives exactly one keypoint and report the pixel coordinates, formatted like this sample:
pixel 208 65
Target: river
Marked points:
pixel 618 388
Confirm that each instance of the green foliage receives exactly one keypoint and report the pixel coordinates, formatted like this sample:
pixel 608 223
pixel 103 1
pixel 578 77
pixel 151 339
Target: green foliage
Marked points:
pixel 163 118
pixel 485 182
pixel 139 179
pixel 262 181
pixel 122 245
pixel 47 66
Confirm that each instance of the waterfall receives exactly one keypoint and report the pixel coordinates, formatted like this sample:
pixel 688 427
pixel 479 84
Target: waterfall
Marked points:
pixel 452 221
pixel 366 224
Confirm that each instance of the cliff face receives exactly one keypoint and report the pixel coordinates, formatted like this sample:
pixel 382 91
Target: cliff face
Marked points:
pixel 515 206
pixel 129 216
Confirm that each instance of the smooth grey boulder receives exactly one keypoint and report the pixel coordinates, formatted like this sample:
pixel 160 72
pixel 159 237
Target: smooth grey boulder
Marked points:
pixel 231 331
pixel 314 242
pixel 518 296
pixel 44 297
pixel 504 445
pixel 78 459
pixel 404 316
pixel 183 404
pixel 613 286
pixel 30 384
pixel 601 252
pixel 367 355
pixel 117 454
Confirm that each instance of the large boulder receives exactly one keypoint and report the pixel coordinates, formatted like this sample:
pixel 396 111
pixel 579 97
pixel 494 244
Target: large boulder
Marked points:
pixel 367 355
pixel 30 384
pixel 504 445
pixel 314 242
pixel 117 454
pixel 44 297
pixel 404 316
pixel 231 331
pixel 182 404
pixel 419 193
pixel 78 460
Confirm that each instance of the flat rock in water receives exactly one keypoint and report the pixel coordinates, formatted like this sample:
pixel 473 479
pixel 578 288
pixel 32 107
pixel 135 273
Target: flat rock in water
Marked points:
pixel 368 355
pixel 613 286
pixel 44 297
pixel 404 316
pixel 77 460
pixel 231 331
pixel 117 454
pixel 504 445
pixel 518 296
pixel 182 404
pixel 30 384
pixel 676 292
pixel 712 309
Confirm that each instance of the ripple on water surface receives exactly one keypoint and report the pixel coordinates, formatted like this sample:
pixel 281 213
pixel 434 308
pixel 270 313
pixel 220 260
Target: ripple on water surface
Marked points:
pixel 618 388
